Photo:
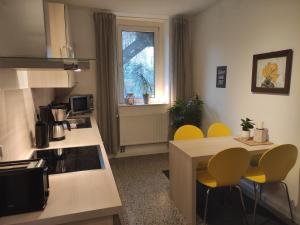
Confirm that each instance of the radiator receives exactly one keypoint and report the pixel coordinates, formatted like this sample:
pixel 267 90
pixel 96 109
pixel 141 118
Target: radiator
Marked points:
pixel 143 129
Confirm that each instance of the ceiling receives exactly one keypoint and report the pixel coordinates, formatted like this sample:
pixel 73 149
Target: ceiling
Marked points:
pixel 148 7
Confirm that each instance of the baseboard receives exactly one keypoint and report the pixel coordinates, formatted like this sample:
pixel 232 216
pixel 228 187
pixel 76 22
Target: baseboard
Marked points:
pixel 147 149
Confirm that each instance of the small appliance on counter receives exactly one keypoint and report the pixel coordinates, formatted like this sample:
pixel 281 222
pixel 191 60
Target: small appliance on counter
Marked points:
pixel 56 117
pixel 60 118
pixel 81 104
pixel 41 134
pixel 24 186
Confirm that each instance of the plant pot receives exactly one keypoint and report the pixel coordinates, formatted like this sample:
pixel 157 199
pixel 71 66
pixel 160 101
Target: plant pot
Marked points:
pixel 146 99
pixel 245 134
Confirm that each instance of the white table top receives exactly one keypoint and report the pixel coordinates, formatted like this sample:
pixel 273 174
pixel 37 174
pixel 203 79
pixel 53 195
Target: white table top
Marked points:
pixel 78 195
pixel 211 146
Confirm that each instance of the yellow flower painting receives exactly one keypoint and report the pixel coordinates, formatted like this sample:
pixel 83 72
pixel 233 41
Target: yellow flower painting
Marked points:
pixel 270 74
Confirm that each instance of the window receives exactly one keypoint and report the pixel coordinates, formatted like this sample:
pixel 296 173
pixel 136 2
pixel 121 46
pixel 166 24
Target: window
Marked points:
pixel 139 60
pixel 138 63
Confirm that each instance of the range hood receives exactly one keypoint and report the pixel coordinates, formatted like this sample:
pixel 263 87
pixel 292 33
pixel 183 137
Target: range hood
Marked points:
pixel 44 63
pixel 40 29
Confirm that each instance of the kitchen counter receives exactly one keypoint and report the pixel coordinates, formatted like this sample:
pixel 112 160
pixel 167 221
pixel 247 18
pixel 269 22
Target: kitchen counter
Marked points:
pixel 76 196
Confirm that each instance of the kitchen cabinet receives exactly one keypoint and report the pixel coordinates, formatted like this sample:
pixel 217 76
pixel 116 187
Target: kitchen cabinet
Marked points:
pixel 51 79
pixel 20 79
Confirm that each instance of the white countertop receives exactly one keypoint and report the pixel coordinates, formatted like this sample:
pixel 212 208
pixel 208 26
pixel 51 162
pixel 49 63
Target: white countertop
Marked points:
pixel 78 195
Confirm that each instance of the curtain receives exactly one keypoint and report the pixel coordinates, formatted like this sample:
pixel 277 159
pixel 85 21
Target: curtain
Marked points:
pixel 181 58
pixel 107 101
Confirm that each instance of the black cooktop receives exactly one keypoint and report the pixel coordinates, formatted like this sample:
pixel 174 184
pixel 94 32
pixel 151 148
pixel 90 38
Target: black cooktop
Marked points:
pixel 66 160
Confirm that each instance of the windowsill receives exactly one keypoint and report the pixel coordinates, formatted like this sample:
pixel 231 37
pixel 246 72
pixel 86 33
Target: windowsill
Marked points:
pixel 141 104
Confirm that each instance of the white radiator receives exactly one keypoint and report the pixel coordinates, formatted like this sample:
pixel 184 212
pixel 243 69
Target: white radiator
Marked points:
pixel 143 129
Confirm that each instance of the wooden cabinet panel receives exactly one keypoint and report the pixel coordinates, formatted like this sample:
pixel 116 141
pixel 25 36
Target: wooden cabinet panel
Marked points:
pixel 51 79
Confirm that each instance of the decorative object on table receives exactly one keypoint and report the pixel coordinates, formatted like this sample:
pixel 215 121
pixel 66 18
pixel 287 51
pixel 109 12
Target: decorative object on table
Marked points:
pixel 145 87
pixel 221 76
pixel 186 112
pixel 247 125
pixel 129 100
pixel 271 72
pixel 251 142
pixel 260 133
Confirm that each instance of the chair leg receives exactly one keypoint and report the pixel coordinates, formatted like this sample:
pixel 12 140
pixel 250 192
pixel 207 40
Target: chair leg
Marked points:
pixel 242 201
pixel 289 200
pixel 255 201
pixel 206 206
pixel 260 191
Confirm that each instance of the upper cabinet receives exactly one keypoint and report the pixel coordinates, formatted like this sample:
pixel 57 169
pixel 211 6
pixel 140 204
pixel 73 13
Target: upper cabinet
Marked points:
pixel 22 27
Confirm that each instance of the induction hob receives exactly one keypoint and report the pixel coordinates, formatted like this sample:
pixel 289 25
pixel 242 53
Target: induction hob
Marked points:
pixel 65 160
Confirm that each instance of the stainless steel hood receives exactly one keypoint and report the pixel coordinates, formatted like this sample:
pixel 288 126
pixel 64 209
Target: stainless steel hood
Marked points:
pixel 44 63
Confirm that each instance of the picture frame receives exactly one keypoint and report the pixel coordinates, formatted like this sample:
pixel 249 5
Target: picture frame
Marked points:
pixel 271 72
pixel 221 76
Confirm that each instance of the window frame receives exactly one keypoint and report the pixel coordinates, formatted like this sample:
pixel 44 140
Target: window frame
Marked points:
pixel 138 26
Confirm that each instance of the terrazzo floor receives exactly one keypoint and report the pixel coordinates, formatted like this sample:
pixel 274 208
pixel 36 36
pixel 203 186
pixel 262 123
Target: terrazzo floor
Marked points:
pixel 144 191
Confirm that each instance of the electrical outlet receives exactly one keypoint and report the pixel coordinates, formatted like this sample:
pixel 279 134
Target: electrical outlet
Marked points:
pixel 1 152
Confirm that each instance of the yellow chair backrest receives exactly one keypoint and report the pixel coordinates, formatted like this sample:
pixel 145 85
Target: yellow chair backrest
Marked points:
pixel 228 166
pixel 278 161
pixel 218 130
pixel 187 132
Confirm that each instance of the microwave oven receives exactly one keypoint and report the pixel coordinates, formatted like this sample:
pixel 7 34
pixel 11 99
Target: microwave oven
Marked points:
pixel 24 186
pixel 80 104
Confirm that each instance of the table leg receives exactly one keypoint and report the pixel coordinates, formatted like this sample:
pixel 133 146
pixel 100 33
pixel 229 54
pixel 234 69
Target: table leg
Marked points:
pixel 183 183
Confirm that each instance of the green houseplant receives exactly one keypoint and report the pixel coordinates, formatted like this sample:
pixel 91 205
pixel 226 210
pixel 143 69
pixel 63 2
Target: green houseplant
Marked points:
pixel 186 112
pixel 246 125
pixel 145 87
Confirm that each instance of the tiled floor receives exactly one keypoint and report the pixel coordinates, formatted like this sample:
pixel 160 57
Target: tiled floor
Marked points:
pixel 144 191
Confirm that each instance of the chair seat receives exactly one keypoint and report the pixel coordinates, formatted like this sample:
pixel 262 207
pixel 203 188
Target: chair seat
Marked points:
pixel 205 178
pixel 255 175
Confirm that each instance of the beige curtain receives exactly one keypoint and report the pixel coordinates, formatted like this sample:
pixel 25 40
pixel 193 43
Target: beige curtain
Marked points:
pixel 107 103
pixel 181 58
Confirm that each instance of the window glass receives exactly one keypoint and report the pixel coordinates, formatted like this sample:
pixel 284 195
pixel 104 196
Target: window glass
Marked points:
pixel 138 63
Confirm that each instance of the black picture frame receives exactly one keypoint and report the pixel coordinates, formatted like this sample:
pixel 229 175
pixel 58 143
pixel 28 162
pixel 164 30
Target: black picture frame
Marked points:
pixel 268 86
pixel 221 76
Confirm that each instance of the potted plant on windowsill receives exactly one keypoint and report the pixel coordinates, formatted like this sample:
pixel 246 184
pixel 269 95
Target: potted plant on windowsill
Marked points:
pixel 246 125
pixel 145 87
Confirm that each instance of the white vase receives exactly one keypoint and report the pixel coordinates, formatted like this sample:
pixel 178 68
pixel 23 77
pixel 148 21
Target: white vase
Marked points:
pixel 245 134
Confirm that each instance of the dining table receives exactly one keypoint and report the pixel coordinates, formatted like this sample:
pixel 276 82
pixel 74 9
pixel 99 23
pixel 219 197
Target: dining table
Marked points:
pixel 184 158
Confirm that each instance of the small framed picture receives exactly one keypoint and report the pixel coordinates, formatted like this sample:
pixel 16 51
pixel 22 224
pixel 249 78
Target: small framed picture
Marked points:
pixel 271 72
pixel 221 76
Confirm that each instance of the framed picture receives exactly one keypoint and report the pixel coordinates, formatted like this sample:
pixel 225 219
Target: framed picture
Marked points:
pixel 221 76
pixel 271 72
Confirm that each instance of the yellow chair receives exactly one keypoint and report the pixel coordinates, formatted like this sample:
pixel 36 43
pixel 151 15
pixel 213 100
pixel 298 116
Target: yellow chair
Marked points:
pixel 218 130
pixel 225 169
pixel 273 166
pixel 187 132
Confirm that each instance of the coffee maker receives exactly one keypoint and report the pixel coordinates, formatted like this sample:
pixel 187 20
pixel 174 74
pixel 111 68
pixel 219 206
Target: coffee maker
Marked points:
pixel 55 116
pixel 59 119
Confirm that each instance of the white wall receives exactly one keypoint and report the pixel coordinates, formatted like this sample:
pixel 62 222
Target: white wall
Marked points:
pixel 230 33
pixel 22 28
pixel 17 119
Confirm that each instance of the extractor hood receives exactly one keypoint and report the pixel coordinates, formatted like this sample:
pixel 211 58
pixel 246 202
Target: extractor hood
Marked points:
pixel 40 29
pixel 44 63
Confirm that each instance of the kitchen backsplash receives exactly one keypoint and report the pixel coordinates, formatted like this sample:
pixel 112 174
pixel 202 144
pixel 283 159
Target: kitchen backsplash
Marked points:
pixel 17 119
